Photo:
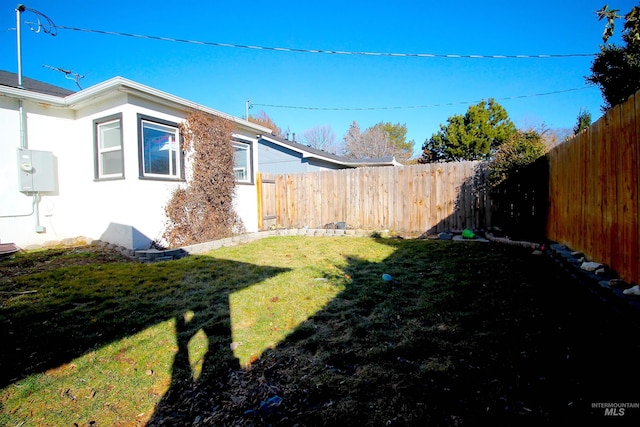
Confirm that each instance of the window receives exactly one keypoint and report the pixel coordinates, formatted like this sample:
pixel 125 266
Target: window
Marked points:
pixel 109 162
pixel 242 162
pixel 160 154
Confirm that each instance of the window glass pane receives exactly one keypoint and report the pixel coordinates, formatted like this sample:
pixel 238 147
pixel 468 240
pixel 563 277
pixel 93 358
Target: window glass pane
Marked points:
pixel 240 156
pixel 110 134
pixel 160 146
pixel 241 174
pixel 109 149
pixel 241 162
pixel 112 163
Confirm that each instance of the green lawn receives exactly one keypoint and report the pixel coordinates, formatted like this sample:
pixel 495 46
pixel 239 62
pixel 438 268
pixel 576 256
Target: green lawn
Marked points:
pixel 468 331
pixel 97 340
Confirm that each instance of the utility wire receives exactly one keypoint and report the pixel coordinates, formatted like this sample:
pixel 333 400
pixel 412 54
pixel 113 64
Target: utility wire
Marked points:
pixel 48 26
pixel 331 52
pixel 44 23
pixel 417 106
pixel 52 26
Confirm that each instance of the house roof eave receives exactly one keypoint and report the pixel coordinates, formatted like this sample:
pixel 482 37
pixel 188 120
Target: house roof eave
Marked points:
pixel 375 163
pixel 29 95
pixel 146 92
pixel 97 92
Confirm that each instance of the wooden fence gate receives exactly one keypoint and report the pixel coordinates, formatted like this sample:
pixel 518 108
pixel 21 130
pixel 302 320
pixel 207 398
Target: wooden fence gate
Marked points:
pixel 267 205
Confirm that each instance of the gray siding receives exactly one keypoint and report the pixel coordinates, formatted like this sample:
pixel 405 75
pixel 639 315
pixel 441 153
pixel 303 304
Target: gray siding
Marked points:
pixel 273 158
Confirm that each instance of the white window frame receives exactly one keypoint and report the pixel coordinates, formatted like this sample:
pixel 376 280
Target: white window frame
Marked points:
pixel 100 150
pixel 243 174
pixel 175 166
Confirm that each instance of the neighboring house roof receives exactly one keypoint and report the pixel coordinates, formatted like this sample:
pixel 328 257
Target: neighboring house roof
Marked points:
pixel 11 80
pixel 54 96
pixel 310 152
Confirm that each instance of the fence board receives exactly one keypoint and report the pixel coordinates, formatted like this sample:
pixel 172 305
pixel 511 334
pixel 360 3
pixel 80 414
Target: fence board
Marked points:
pixel 591 189
pixel 595 208
pixel 609 212
pixel 617 183
pixel 637 204
pixel 628 190
pixel 584 190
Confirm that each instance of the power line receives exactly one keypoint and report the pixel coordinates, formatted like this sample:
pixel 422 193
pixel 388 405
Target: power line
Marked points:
pixel 44 23
pixel 355 53
pixel 417 106
pixel 330 52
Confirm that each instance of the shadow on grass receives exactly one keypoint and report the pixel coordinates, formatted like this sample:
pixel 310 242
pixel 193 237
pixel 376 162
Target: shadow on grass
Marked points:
pixel 466 334
pixel 517 206
pixel 58 315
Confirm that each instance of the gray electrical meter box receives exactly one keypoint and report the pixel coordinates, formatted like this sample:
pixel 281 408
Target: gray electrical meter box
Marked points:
pixel 36 171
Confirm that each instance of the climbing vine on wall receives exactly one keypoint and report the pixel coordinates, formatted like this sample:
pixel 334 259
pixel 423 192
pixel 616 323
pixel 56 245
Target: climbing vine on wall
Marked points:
pixel 202 210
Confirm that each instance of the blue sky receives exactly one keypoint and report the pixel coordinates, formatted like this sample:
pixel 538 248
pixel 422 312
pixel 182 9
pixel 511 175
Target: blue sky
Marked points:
pixel 224 78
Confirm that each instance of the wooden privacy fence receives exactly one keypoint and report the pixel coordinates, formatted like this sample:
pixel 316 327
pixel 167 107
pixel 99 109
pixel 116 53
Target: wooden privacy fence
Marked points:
pixel 590 203
pixel 408 199
pixel 593 190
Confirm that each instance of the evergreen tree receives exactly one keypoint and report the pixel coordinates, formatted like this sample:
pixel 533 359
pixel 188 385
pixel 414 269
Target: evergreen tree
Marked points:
pixel 583 121
pixel 476 135
pixel 616 69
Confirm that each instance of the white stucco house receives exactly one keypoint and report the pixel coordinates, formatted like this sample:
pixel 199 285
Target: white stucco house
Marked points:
pixel 102 162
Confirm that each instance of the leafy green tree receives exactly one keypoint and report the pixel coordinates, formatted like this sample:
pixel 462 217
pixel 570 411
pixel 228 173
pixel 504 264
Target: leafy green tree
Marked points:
pixel 521 149
pixel 616 69
pixel 476 135
pixel 583 121
pixel 398 139
pixel 518 184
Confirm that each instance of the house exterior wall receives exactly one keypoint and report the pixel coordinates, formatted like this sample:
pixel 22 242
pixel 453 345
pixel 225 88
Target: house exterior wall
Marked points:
pixel 127 212
pixel 276 159
pixel 14 206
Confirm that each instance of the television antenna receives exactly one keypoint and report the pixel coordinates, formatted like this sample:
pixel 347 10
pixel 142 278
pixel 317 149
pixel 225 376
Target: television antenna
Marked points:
pixel 68 74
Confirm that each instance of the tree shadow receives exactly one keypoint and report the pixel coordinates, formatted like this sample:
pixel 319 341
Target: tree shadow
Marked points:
pixel 64 315
pixel 516 208
pixel 462 334
pixel 520 203
pixel 449 340
pixel 186 393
